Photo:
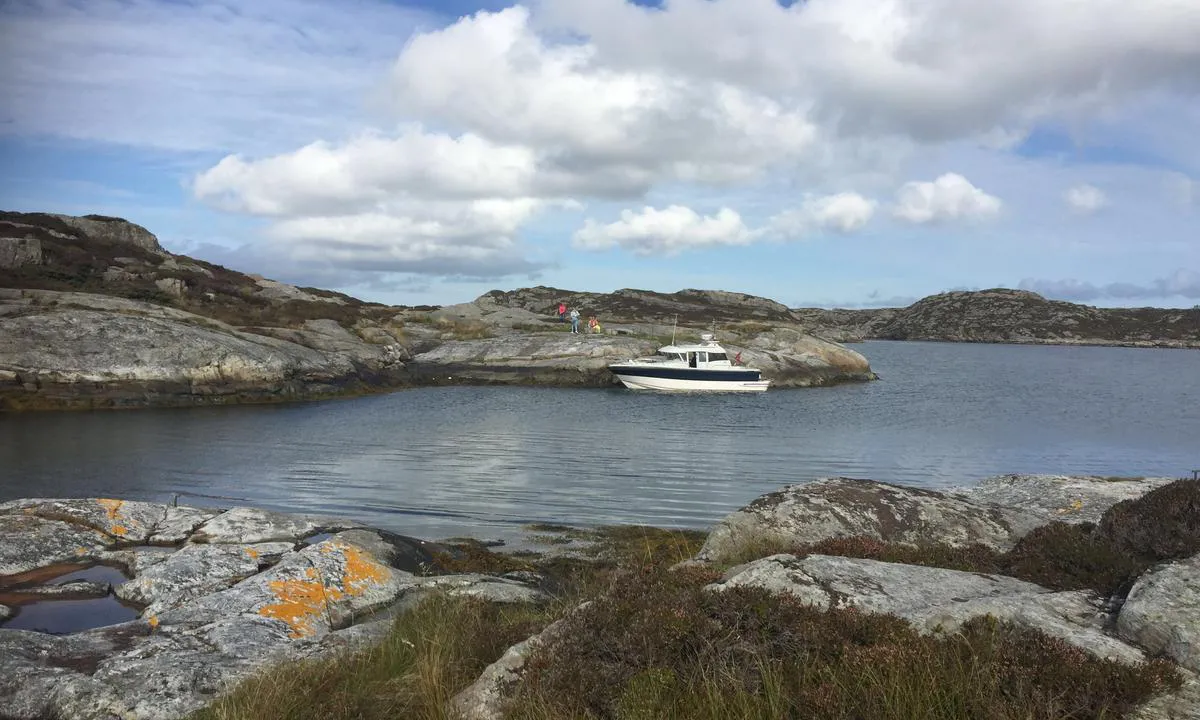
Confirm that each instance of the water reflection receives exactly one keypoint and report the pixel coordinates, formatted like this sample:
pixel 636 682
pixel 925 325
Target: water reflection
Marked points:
pixel 445 461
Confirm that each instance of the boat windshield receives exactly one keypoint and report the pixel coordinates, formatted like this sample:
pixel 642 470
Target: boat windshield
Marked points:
pixel 672 355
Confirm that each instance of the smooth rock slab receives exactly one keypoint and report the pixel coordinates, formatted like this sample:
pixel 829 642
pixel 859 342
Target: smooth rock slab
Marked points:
pixel 1162 612
pixel 321 588
pixel 28 542
pixel 197 570
pixel 484 587
pixel 246 525
pixel 1065 498
pixel 845 507
pixel 932 599
pixel 123 520
pixel 179 522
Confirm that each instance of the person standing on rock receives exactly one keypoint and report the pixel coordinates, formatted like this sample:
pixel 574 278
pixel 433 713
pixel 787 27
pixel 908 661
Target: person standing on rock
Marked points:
pixel 574 320
pixel 562 312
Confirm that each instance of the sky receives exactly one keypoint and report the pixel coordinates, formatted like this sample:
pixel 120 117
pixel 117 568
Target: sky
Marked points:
pixel 837 153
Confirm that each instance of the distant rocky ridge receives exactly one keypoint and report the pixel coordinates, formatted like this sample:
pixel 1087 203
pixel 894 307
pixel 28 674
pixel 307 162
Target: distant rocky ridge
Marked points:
pixel 1008 316
pixel 95 313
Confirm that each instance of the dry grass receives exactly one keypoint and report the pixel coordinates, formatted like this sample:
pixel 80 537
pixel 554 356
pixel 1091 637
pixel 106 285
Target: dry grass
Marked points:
pixel 432 651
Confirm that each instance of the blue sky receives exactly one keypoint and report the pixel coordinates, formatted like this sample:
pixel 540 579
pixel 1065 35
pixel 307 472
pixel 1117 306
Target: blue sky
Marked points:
pixel 834 152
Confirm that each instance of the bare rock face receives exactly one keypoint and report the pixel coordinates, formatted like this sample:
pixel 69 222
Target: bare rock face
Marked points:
pixel 1162 612
pixel 16 252
pixel 59 354
pixel 557 358
pixel 113 230
pixel 845 507
pixel 31 542
pixel 1062 498
pixel 933 599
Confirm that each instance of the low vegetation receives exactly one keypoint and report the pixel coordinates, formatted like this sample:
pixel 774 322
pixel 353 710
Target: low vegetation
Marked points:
pixel 659 645
pixel 654 643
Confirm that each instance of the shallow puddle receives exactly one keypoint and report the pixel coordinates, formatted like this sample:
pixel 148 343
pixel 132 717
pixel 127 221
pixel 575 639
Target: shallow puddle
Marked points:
pixel 58 616
pixel 314 539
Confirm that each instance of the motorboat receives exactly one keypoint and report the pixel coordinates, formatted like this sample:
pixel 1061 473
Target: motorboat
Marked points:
pixel 704 366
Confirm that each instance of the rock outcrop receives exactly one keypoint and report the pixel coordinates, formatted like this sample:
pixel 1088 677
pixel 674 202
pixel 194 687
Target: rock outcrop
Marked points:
pixel 846 507
pixel 932 599
pixel 244 589
pixel 89 350
pixel 97 314
pixel 1011 316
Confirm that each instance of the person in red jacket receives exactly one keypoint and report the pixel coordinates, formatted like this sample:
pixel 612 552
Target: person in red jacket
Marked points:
pixel 562 312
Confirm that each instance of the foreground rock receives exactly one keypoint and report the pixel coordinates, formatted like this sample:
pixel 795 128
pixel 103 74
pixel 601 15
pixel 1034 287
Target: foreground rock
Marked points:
pixel 245 589
pixel 1162 612
pixel 845 507
pixel 1063 498
pixel 933 599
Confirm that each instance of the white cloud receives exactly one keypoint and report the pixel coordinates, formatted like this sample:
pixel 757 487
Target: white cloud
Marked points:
pixel 665 232
pixel 1085 199
pixel 845 212
pixel 931 69
pixel 1181 283
pixel 494 75
pixel 950 197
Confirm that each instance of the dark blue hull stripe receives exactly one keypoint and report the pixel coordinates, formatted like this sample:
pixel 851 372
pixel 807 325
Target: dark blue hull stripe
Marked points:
pixel 687 373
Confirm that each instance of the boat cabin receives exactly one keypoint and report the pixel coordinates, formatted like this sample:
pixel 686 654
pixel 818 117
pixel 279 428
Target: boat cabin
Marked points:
pixel 706 353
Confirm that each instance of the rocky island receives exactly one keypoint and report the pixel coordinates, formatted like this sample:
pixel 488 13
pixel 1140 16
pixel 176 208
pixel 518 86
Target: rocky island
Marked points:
pixel 1025 596
pixel 1001 315
pixel 95 313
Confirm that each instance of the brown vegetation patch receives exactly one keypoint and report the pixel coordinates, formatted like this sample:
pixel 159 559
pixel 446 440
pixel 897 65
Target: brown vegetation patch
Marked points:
pixel 660 646
pixel 1163 524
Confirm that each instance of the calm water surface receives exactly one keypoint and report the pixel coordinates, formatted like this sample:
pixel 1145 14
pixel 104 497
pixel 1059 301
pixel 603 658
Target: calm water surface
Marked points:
pixel 482 461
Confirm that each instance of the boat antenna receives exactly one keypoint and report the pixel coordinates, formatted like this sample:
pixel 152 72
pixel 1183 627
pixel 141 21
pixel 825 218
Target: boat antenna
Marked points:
pixel 673 324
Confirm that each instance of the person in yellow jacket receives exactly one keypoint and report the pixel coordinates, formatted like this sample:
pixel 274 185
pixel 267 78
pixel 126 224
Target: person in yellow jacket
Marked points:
pixel 593 324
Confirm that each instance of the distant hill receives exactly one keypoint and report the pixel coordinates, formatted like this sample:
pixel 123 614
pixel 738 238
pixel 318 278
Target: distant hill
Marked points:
pixel 1009 316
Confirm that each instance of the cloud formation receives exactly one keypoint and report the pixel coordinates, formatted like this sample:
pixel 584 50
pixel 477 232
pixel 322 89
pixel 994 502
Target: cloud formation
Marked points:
pixel 1181 283
pixel 665 232
pixel 373 137
pixel 1085 199
pixel 950 197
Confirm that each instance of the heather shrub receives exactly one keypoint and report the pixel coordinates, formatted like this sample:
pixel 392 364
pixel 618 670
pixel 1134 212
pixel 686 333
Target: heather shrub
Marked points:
pixel 1163 524
pixel 659 645
pixel 1063 556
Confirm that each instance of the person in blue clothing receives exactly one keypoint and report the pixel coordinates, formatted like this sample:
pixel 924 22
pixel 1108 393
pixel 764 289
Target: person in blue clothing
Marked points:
pixel 574 320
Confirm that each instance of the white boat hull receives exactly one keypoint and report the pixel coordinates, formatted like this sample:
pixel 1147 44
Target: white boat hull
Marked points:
pixel 640 382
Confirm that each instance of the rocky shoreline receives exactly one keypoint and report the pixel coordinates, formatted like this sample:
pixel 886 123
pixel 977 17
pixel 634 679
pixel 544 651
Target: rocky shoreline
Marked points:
pixel 96 314
pixel 212 596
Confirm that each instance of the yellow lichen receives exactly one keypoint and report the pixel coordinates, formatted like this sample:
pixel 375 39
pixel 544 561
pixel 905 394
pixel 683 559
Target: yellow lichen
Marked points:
pixel 153 620
pixel 112 508
pixel 304 600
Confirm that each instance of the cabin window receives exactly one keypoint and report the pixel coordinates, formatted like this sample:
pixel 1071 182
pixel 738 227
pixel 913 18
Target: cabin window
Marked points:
pixel 713 357
pixel 701 357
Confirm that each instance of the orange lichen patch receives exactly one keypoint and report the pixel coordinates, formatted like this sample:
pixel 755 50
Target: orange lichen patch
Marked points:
pixel 252 553
pixel 113 508
pixel 304 600
pixel 153 621
pixel 300 602
pixel 361 571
